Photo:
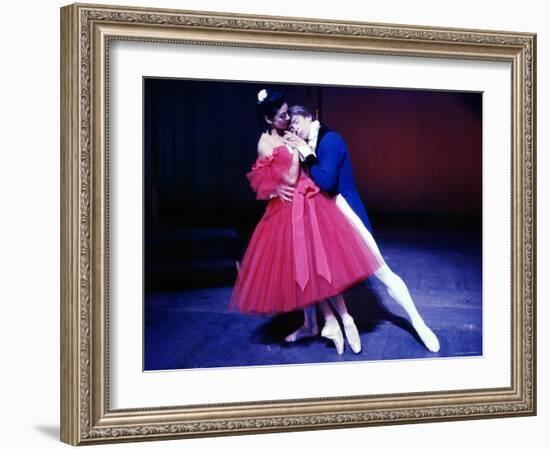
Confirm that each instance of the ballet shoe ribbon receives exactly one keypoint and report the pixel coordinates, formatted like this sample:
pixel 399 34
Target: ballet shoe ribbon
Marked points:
pixel 305 189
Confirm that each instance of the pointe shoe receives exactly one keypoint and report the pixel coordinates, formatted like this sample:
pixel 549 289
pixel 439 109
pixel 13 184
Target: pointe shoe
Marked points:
pixel 427 336
pixel 352 334
pixel 334 333
pixel 302 332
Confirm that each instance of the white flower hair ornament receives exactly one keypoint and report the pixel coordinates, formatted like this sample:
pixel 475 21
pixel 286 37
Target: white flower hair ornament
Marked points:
pixel 262 95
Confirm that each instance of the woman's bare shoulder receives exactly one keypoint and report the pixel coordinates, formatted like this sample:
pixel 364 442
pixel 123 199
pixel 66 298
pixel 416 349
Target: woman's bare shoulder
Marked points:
pixel 266 144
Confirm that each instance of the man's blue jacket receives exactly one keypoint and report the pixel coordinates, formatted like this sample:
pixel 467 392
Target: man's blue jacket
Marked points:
pixel 331 171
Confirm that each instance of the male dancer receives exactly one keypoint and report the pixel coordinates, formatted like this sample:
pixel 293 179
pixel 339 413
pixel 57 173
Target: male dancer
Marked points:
pixel 325 154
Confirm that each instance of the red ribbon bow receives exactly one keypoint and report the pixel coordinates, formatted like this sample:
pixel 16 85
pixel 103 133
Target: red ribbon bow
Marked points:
pixel 306 189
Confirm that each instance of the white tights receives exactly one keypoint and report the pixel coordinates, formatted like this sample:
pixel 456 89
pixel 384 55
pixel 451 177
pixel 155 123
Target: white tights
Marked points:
pixel 395 286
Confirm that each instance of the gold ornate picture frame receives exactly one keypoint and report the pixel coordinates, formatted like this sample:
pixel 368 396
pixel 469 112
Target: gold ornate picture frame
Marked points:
pixel 87 31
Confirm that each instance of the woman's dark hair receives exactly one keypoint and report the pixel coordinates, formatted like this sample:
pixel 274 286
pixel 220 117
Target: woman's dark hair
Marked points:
pixel 268 102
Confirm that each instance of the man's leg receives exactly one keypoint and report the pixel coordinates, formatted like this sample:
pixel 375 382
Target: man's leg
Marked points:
pixel 395 286
pixel 398 290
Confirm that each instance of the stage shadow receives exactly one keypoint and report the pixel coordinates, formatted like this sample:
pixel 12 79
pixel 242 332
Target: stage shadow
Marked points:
pixel 368 310
pixel 364 304
pixel 274 330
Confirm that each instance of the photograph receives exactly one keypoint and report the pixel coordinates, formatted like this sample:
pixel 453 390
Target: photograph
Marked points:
pixel 276 224
pixel 300 224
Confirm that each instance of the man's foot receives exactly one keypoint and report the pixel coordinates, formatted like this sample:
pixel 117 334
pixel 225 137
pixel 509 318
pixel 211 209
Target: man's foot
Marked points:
pixel 427 336
pixel 302 332
pixel 333 332
pixel 352 334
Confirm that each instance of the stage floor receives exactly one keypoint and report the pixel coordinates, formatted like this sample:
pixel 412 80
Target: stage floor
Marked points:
pixel 441 265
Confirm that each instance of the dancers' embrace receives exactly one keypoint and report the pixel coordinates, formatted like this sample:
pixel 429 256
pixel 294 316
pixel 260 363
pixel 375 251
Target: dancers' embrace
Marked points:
pixel 313 241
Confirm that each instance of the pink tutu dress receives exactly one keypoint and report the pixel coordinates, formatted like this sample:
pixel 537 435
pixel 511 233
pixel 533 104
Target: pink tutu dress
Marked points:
pixel 302 251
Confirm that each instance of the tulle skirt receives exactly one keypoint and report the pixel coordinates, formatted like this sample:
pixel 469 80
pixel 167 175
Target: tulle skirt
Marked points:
pixel 300 253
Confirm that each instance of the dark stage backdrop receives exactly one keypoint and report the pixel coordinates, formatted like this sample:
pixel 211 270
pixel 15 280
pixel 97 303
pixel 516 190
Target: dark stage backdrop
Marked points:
pixel 197 147
pixel 412 151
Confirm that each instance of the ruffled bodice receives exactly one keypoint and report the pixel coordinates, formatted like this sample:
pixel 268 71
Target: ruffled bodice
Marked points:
pixel 268 172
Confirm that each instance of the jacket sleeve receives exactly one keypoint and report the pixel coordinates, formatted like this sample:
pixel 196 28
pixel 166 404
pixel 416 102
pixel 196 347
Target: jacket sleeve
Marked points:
pixel 325 168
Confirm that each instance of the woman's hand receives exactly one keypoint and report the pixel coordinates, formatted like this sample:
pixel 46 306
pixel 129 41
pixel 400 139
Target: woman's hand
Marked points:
pixel 293 139
pixel 284 192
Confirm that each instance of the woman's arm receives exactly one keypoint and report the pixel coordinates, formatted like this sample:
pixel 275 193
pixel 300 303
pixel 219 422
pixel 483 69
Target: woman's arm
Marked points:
pixel 291 177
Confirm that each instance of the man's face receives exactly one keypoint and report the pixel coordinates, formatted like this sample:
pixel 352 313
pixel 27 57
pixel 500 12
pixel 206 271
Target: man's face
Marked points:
pixel 300 126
